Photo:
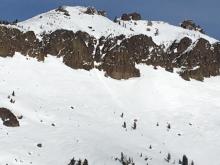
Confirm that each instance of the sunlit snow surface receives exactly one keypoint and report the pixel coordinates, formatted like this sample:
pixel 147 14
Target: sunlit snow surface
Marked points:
pixel 97 26
pixel 45 92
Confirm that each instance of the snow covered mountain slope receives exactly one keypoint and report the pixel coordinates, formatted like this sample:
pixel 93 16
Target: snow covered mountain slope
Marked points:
pixel 75 113
pixel 98 26
pixel 77 20
pixel 163 33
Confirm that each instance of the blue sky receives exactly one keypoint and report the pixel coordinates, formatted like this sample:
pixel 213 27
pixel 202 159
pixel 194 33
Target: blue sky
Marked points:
pixel 204 12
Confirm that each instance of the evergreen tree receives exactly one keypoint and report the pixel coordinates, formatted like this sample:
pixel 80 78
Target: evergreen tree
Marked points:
pixel 185 160
pixel 135 125
pixel 85 162
pixel 168 158
pixel 13 93
pixel 72 162
pixel 124 125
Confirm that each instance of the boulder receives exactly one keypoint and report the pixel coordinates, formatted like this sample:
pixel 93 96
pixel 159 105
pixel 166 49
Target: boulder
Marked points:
pixel 8 118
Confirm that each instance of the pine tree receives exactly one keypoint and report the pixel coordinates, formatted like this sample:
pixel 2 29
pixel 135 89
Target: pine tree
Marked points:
pixel 168 158
pixel 185 160
pixel 122 156
pixel 13 93
pixel 72 162
pixel 124 125
pixel 79 162
pixel 168 126
pixel 135 125
pixel 85 162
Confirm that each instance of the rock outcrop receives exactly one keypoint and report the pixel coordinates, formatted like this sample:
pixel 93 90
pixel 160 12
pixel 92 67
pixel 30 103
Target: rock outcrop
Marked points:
pixel 8 118
pixel 190 25
pixel 62 10
pixel 12 40
pixel 131 16
pixel 92 11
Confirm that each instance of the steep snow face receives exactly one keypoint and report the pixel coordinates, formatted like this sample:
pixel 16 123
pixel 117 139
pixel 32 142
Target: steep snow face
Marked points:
pixel 97 26
pixel 92 128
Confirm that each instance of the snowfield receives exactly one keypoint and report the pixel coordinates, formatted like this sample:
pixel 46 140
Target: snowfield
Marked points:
pixel 86 109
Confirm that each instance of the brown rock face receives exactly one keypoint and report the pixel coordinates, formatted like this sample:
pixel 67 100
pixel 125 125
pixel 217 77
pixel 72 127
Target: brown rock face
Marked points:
pixel 119 64
pixel 12 40
pixel 119 60
pixel 181 46
pixel 201 61
pixel 8 118
pixel 71 47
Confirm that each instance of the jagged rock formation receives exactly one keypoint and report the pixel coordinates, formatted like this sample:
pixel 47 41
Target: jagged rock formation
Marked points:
pixel 131 16
pixel 190 25
pixel 116 55
pixel 92 11
pixel 8 118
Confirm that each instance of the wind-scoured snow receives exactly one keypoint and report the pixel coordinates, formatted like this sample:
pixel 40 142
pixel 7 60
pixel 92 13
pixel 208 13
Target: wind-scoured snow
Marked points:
pixel 97 26
pixel 92 128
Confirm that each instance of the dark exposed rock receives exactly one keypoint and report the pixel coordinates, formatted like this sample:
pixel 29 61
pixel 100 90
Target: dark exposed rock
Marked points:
pixel 190 25
pixel 74 50
pixel 119 64
pixel 119 60
pixel 181 46
pixel 201 61
pixel 8 118
pixel 12 40
pixel 39 145
pixel 91 11
pixel 131 16
pixel 102 12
